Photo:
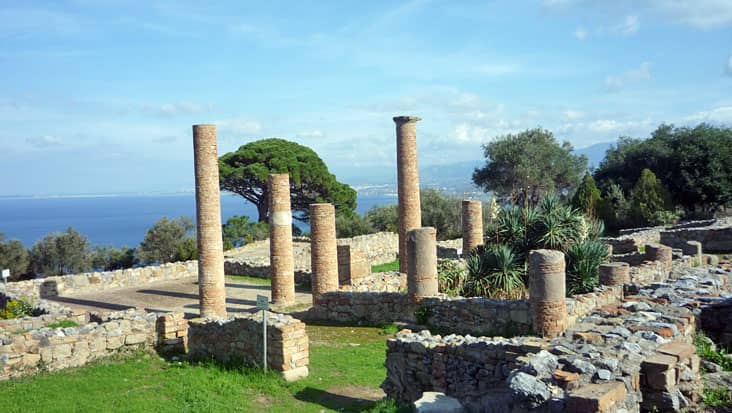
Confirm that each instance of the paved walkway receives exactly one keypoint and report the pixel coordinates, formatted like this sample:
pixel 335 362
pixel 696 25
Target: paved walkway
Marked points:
pixel 173 296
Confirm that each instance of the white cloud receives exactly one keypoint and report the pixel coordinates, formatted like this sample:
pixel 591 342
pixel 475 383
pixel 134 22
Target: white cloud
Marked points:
pixel 728 66
pixel 700 14
pixel 466 133
pixel 615 83
pixel 310 134
pixel 629 26
pixel 174 109
pixel 722 114
pixel 573 114
pixel 580 33
pixel 45 141
pixel 237 127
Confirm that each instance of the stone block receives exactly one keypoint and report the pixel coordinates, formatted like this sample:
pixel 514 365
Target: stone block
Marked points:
pixel 661 380
pixel 595 397
pixel 566 380
pixel 658 363
pixel 135 339
pixel 678 349
pixel 436 402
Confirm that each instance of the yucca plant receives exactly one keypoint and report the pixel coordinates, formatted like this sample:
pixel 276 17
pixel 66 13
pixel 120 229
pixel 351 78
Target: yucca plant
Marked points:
pixel 450 277
pixel 495 271
pixel 583 265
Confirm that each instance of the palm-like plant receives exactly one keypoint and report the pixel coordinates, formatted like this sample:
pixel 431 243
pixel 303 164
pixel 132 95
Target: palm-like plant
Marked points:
pixel 495 271
pixel 583 265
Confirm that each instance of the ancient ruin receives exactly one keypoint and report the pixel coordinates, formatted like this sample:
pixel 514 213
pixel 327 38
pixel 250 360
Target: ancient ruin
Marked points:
pixel 421 263
pixel 547 292
pixel 212 294
pixel 472 225
pixel 323 251
pixel 280 236
pixel 410 213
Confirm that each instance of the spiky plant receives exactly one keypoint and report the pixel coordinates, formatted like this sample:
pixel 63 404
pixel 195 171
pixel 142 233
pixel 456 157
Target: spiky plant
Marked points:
pixel 596 228
pixel 451 277
pixel 583 265
pixel 495 271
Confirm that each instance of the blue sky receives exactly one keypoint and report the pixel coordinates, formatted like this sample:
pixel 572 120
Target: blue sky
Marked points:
pixel 100 95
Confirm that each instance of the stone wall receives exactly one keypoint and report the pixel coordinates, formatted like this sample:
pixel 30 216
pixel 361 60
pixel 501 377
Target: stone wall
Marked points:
pixel 28 352
pixel 15 325
pixel 716 321
pixel 715 238
pixel 99 281
pixel 239 340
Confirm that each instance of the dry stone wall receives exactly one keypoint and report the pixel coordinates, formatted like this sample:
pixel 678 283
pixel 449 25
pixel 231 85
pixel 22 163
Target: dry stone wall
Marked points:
pixel 239 340
pixel 715 238
pixel 54 349
pixel 100 281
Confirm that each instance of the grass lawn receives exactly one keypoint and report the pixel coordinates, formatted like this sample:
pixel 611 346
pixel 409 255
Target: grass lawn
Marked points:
pixel 389 266
pixel 346 368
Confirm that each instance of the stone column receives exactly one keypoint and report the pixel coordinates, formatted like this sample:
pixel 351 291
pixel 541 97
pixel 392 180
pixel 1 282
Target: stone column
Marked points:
pixel 615 273
pixel 472 225
pixel 421 263
pixel 281 261
pixel 660 252
pixel 547 292
pixel 323 249
pixel 410 214
pixel 211 289
pixel 694 250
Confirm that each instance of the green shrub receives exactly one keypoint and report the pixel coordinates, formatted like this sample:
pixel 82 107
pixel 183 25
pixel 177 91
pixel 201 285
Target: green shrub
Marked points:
pixel 110 258
pixel 708 351
pixel 451 277
pixel 13 256
pixel 495 271
pixel 583 265
pixel 17 308
pixel 168 240
pixel 587 196
pixel 63 324
pixel 61 253
pixel 351 225
pixel 649 198
pixel 384 218
pixel 239 231
pixel 422 314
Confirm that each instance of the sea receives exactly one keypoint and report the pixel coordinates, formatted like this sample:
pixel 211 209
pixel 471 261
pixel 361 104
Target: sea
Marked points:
pixel 119 220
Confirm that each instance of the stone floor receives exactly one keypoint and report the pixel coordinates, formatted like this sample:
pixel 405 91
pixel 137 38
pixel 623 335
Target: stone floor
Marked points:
pixel 174 296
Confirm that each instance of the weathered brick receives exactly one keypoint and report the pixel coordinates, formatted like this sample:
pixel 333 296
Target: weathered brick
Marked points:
pixel 595 397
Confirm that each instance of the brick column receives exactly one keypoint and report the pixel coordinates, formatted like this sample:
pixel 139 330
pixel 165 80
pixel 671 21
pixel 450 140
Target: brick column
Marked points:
pixel 281 262
pixel 421 263
pixel 694 250
pixel 211 289
pixel 410 214
pixel 323 249
pixel 472 225
pixel 615 273
pixel 660 252
pixel 547 292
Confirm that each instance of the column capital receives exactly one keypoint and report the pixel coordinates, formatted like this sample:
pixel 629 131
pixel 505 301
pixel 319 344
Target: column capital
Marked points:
pixel 406 119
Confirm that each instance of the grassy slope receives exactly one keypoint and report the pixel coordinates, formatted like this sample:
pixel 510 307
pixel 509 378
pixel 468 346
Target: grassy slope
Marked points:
pixel 389 266
pixel 345 362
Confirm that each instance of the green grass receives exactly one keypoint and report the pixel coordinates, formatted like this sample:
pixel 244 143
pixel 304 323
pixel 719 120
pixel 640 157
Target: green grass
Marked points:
pixel 63 324
pixel 249 279
pixel 705 351
pixel 346 366
pixel 716 397
pixel 389 266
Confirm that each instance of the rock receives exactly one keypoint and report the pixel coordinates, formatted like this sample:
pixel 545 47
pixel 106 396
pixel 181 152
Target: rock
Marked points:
pixel 603 374
pixel 631 347
pixel 542 364
pixel 436 402
pixel 620 331
pixel 636 306
pixel 529 389
pixel 581 366
pixel 711 367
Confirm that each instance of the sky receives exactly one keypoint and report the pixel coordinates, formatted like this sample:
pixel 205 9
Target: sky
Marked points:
pixel 98 96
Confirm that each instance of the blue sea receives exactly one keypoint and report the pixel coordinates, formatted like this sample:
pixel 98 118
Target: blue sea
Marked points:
pixel 117 220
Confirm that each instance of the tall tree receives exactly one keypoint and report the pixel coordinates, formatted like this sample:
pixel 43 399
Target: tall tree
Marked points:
pixel 531 163
pixel 168 240
pixel 587 196
pixel 649 197
pixel 13 256
pixel 694 163
pixel 61 253
pixel 245 172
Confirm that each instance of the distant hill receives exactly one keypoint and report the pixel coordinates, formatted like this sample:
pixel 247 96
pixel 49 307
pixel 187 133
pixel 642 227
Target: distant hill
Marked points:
pixel 595 153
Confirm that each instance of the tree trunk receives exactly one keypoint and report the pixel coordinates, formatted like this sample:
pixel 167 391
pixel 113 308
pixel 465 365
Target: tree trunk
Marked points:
pixel 263 210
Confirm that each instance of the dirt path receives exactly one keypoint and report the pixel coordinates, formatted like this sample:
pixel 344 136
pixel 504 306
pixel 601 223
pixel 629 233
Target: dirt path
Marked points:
pixel 177 296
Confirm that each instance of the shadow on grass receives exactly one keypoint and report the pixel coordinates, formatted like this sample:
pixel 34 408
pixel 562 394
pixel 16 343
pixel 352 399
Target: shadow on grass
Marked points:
pixel 334 401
